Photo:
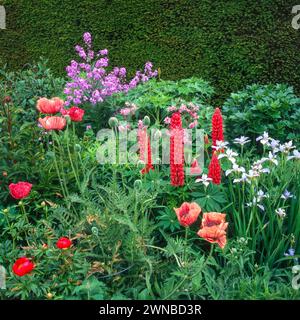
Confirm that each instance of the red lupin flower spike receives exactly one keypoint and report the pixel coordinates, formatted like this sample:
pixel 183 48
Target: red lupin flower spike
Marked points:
pixel 176 150
pixel 214 169
pixel 217 127
pixel 149 165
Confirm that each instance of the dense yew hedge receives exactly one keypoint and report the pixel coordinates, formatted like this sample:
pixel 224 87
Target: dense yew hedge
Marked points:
pixel 230 43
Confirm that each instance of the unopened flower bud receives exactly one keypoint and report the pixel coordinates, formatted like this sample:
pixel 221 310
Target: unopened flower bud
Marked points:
pixel 4 173
pixel 5 210
pixel 50 154
pixel 77 147
pixel 157 135
pixel 7 99
pixel 159 72
pixel 206 139
pixel 113 122
pixel 20 203
pixel 137 184
pixel 49 295
pixel 95 231
pixel 43 204
pixel 68 118
pixel 141 164
pixel 146 121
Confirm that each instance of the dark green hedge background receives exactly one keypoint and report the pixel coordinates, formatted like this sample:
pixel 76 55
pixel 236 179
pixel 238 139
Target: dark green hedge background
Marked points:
pixel 230 43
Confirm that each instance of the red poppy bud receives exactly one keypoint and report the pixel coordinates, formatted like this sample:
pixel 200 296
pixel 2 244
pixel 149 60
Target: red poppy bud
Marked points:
pixel 7 99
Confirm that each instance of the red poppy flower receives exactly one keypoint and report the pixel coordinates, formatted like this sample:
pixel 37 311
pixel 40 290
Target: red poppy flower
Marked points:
pixel 20 190
pixel 76 114
pixel 51 106
pixel 210 219
pixel 63 243
pixel 53 123
pixel 213 228
pixel 215 234
pixel 188 213
pixel 23 266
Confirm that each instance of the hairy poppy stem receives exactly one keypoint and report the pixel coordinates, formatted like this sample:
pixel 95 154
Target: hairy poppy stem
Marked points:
pixel 185 246
pixel 71 161
pixel 57 168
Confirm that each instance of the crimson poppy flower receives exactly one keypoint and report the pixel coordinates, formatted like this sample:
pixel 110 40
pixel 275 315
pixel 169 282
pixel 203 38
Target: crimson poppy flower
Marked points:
pixel 23 266
pixel 188 213
pixel 20 190
pixel 53 123
pixel 63 243
pixel 51 106
pixel 76 114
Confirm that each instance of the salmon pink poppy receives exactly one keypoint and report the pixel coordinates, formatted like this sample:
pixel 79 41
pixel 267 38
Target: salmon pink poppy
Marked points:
pixel 188 213
pixel 213 228
pixel 20 190
pixel 53 123
pixel 215 234
pixel 63 243
pixel 22 266
pixel 51 106
pixel 76 114
pixel 210 219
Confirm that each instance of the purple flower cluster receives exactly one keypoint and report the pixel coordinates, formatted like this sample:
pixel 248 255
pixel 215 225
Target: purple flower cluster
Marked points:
pixel 90 81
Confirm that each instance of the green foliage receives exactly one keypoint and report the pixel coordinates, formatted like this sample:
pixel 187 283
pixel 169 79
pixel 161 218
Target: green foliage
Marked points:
pixel 212 199
pixel 27 85
pixel 270 108
pixel 127 241
pixel 153 97
pixel 230 44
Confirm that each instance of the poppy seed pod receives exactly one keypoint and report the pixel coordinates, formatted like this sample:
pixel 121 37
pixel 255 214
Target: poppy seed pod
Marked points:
pixel 157 134
pixel 113 122
pixel 138 184
pixel 146 121
pixel 68 118
pixel 95 231
pixel 77 147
